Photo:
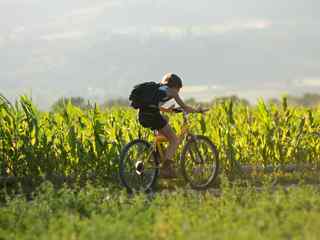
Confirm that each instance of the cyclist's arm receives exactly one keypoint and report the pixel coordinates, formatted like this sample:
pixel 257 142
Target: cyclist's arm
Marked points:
pixel 162 109
pixel 177 98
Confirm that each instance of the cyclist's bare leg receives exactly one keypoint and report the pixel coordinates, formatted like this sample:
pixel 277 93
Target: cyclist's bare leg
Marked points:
pixel 167 171
pixel 173 141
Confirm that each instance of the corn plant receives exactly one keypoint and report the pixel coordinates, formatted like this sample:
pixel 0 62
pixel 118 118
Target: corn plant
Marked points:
pixel 75 142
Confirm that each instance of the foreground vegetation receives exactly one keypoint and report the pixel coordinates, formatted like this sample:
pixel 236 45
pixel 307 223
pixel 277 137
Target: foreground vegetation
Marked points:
pixel 99 213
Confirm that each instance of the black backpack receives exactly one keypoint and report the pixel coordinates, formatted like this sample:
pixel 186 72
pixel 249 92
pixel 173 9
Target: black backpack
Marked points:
pixel 144 95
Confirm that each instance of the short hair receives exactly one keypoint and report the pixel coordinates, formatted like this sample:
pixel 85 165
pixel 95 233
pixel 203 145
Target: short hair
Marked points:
pixel 171 80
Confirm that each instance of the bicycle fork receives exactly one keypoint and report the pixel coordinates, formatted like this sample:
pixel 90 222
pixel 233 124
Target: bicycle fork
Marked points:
pixel 194 141
pixel 158 150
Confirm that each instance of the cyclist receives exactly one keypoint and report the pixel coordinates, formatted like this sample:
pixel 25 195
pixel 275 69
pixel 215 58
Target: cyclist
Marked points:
pixel 150 117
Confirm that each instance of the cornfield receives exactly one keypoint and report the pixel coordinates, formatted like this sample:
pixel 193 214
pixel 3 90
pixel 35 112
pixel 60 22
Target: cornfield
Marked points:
pixel 78 143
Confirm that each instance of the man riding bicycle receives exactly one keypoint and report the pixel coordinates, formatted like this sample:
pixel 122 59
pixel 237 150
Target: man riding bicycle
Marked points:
pixel 150 116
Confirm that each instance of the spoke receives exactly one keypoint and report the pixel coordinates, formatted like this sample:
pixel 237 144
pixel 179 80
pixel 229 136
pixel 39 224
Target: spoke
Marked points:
pixel 130 162
pixel 200 162
pixel 198 149
pixel 131 178
pixel 191 153
pixel 136 153
pixel 140 179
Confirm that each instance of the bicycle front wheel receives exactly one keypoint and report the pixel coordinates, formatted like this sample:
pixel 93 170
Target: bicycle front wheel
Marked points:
pixel 199 162
pixel 138 167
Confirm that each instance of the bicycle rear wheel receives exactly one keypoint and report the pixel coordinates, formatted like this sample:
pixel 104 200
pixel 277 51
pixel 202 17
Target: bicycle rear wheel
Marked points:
pixel 139 166
pixel 199 162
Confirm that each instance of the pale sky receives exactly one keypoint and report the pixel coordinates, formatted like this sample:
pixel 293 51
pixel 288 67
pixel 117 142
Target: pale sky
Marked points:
pixel 101 48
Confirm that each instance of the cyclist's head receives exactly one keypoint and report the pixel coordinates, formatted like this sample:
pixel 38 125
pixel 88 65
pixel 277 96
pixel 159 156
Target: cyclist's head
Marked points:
pixel 172 81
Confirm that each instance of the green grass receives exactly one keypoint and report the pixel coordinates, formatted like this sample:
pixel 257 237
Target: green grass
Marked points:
pixel 100 213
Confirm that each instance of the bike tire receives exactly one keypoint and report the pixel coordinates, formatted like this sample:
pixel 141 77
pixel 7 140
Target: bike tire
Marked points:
pixel 183 161
pixel 123 168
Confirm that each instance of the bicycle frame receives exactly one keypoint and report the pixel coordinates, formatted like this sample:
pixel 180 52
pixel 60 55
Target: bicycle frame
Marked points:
pixel 146 160
pixel 160 139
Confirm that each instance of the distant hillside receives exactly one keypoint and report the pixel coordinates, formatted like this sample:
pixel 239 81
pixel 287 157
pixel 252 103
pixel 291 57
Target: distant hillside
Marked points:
pixel 100 49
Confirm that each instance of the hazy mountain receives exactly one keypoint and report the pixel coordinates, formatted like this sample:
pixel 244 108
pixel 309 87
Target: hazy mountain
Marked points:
pixel 100 49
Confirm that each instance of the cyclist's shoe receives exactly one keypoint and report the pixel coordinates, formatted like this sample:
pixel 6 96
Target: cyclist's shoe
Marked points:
pixel 167 170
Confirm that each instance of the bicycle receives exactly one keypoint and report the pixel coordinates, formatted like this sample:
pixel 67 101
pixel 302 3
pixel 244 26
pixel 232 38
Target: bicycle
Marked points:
pixel 140 160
